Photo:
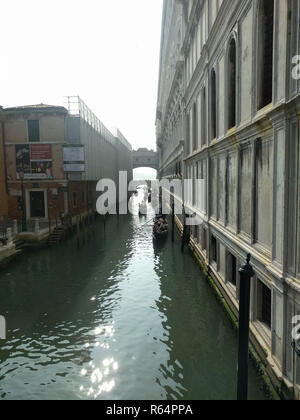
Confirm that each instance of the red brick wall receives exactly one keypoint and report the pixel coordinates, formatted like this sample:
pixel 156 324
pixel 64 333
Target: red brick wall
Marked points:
pixel 56 203
pixel 84 191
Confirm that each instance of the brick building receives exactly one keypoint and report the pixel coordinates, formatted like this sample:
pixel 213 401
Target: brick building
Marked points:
pixel 54 160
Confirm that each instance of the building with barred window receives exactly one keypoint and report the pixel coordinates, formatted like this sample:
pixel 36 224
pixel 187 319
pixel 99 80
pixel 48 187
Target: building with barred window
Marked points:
pixel 228 112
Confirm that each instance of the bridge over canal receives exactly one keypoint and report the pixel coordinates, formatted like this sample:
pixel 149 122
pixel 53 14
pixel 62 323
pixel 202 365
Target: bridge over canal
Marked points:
pixel 144 158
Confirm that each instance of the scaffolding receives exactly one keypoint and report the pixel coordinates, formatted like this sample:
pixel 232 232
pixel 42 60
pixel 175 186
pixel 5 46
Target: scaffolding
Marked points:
pixel 77 108
pixel 123 140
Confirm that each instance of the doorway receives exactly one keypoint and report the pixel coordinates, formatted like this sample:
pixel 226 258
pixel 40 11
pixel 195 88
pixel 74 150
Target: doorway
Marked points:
pixel 37 204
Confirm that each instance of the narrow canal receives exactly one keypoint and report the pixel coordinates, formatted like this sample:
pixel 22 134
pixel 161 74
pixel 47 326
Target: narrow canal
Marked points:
pixel 119 319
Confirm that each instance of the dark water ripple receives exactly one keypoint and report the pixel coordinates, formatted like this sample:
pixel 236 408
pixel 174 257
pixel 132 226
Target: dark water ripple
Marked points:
pixel 118 319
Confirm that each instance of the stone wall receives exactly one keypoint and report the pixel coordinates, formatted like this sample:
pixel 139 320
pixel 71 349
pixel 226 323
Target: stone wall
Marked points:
pixel 252 169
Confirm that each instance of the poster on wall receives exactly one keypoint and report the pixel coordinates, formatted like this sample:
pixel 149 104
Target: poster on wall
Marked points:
pixel 73 154
pixel 23 159
pixel 35 161
pixel 74 159
pixel 41 170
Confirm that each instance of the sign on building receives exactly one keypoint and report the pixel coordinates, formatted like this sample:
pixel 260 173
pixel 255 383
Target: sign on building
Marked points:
pixel 35 161
pixel 40 152
pixel 74 159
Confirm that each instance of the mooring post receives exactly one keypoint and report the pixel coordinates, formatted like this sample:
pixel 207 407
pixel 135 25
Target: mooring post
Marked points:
pixel 184 230
pixel 77 232
pixel 82 229
pixel 246 273
pixel 173 220
pixel 94 223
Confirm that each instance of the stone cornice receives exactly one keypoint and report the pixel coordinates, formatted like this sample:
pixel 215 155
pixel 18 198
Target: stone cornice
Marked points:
pixel 191 25
pixel 177 75
pixel 173 156
pixel 260 127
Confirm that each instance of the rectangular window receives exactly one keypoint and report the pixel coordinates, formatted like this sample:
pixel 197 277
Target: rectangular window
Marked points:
pixel 75 200
pixel 188 146
pixel 195 128
pixel 214 249
pixel 232 80
pixel 265 56
pixel 33 130
pixel 264 296
pixel 232 269
pixel 195 192
pixel 203 239
pixel 203 119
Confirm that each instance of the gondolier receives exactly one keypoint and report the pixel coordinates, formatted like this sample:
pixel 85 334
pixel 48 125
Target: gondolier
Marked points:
pixel 160 227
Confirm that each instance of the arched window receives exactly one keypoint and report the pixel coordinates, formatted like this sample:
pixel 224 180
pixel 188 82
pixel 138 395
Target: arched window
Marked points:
pixel 265 52
pixel 232 84
pixel 213 110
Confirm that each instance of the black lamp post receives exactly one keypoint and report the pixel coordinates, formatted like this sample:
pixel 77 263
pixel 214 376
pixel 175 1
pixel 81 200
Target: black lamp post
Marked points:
pixel 246 273
pixel 24 221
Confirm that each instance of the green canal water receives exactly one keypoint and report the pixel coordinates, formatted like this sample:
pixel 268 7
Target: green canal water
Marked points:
pixel 119 319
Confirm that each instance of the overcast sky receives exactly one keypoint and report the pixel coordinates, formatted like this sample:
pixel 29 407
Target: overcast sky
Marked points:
pixel 105 51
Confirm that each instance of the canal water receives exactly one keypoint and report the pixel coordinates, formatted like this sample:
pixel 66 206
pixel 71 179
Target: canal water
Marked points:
pixel 121 318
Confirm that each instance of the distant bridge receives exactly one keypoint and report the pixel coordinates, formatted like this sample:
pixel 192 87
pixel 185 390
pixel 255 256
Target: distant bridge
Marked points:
pixel 144 158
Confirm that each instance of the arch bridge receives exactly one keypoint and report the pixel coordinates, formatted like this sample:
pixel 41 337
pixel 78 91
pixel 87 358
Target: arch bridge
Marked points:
pixel 144 158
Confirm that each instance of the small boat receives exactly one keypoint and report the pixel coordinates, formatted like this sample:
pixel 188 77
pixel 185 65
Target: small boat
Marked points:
pixel 160 228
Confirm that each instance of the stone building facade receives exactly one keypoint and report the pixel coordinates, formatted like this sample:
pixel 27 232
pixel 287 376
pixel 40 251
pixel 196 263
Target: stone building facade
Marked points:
pixel 34 137
pixel 228 112
pixel 61 157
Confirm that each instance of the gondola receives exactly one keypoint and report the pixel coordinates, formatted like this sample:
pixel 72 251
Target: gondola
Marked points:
pixel 160 228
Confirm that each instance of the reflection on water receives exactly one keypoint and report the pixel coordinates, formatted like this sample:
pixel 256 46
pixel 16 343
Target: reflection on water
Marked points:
pixel 122 318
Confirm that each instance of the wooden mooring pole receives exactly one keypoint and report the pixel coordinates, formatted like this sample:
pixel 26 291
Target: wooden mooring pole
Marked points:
pixel 246 273
pixel 183 239
pixel 77 232
pixel 173 220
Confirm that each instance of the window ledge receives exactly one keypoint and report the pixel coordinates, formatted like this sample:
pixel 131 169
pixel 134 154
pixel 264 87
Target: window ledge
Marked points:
pixel 264 331
pixel 261 112
pixel 231 131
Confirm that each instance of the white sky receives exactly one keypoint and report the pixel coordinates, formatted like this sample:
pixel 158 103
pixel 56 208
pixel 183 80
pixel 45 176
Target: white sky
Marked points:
pixel 105 51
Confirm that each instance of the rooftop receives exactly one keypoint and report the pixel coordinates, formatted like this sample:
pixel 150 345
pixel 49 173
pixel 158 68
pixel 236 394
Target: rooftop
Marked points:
pixel 36 108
